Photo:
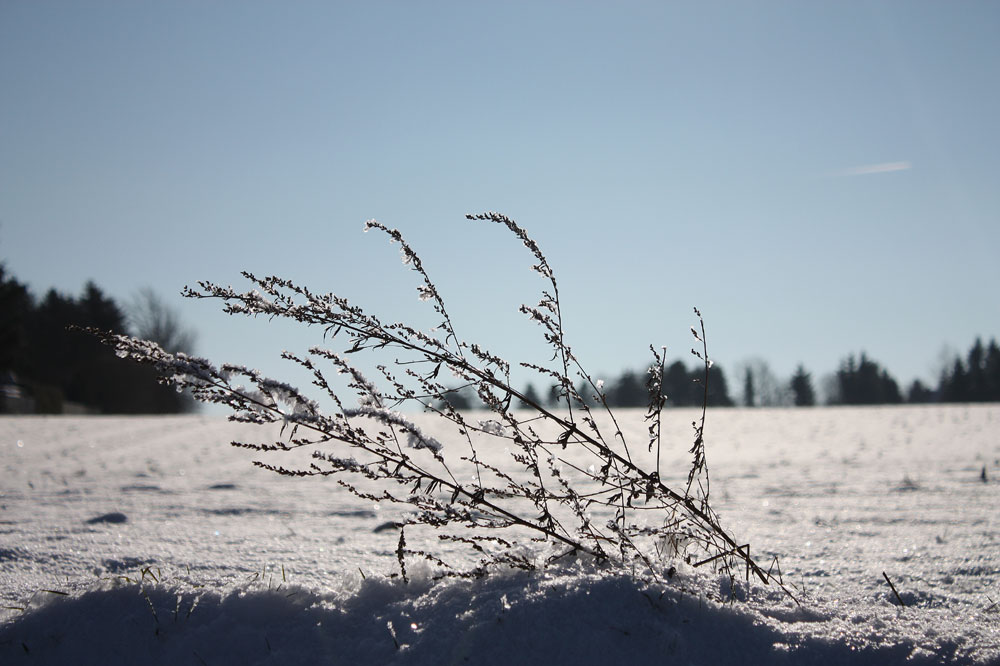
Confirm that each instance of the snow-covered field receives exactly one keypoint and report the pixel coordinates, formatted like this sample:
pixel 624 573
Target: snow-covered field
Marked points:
pixel 235 565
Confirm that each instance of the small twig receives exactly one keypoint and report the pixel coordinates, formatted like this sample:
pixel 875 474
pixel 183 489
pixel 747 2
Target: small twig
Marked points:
pixel 392 633
pixel 191 609
pixel 152 608
pixel 400 552
pixel 898 598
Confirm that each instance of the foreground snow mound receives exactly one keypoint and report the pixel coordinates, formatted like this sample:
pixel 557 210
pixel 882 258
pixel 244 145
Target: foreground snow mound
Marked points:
pixel 574 617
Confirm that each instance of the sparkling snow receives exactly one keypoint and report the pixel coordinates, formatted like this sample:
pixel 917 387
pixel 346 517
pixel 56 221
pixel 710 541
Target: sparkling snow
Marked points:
pixel 150 540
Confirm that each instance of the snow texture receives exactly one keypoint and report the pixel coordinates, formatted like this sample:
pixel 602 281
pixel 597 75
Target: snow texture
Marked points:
pixel 149 540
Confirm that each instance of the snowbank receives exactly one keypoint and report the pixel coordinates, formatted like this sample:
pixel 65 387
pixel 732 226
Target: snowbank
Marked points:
pixel 838 495
pixel 570 617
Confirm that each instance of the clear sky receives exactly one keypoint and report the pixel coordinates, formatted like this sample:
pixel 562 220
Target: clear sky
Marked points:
pixel 819 179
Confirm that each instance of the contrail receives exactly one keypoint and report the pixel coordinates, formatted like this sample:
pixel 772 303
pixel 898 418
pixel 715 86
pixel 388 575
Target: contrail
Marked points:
pixel 884 167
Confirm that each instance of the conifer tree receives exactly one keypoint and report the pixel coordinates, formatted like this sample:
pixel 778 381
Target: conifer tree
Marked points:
pixel 802 388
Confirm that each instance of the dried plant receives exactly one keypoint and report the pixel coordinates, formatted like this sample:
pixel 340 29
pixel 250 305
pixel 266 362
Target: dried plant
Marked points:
pixel 565 476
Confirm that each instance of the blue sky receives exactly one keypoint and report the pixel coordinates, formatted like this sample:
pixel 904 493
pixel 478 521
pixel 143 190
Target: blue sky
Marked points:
pixel 818 179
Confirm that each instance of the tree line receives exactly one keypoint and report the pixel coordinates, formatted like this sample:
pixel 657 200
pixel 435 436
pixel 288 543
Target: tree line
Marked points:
pixel 683 386
pixel 974 378
pixel 46 366
pixel 859 380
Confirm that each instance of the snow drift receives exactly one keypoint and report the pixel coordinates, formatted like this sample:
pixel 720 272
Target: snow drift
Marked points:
pixel 148 540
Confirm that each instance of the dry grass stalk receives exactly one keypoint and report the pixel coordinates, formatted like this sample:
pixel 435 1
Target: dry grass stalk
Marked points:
pixel 459 491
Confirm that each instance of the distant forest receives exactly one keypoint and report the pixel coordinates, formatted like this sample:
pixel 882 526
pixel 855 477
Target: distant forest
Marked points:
pixel 47 368
pixel 858 381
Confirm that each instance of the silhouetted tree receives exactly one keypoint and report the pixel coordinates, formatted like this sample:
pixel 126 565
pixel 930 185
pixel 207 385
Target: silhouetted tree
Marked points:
pixel 15 308
pixel 462 398
pixel 975 380
pixel 993 372
pixel 977 372
pixel 749 398
pixel 67 365
pixel 532 395
pixel 59 364
pixel 955 384
pixel 802 388
pixel 628 391
pixel 684 387
pixel 864 382
pixel 919 394
pixel 718 387
pixel 677 385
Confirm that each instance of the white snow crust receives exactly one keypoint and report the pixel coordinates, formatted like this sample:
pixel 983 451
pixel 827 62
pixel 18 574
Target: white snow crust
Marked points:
pixel 150 540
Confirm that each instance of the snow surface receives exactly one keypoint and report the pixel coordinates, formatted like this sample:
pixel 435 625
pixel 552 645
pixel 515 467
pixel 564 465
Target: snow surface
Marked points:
pixel 149 540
